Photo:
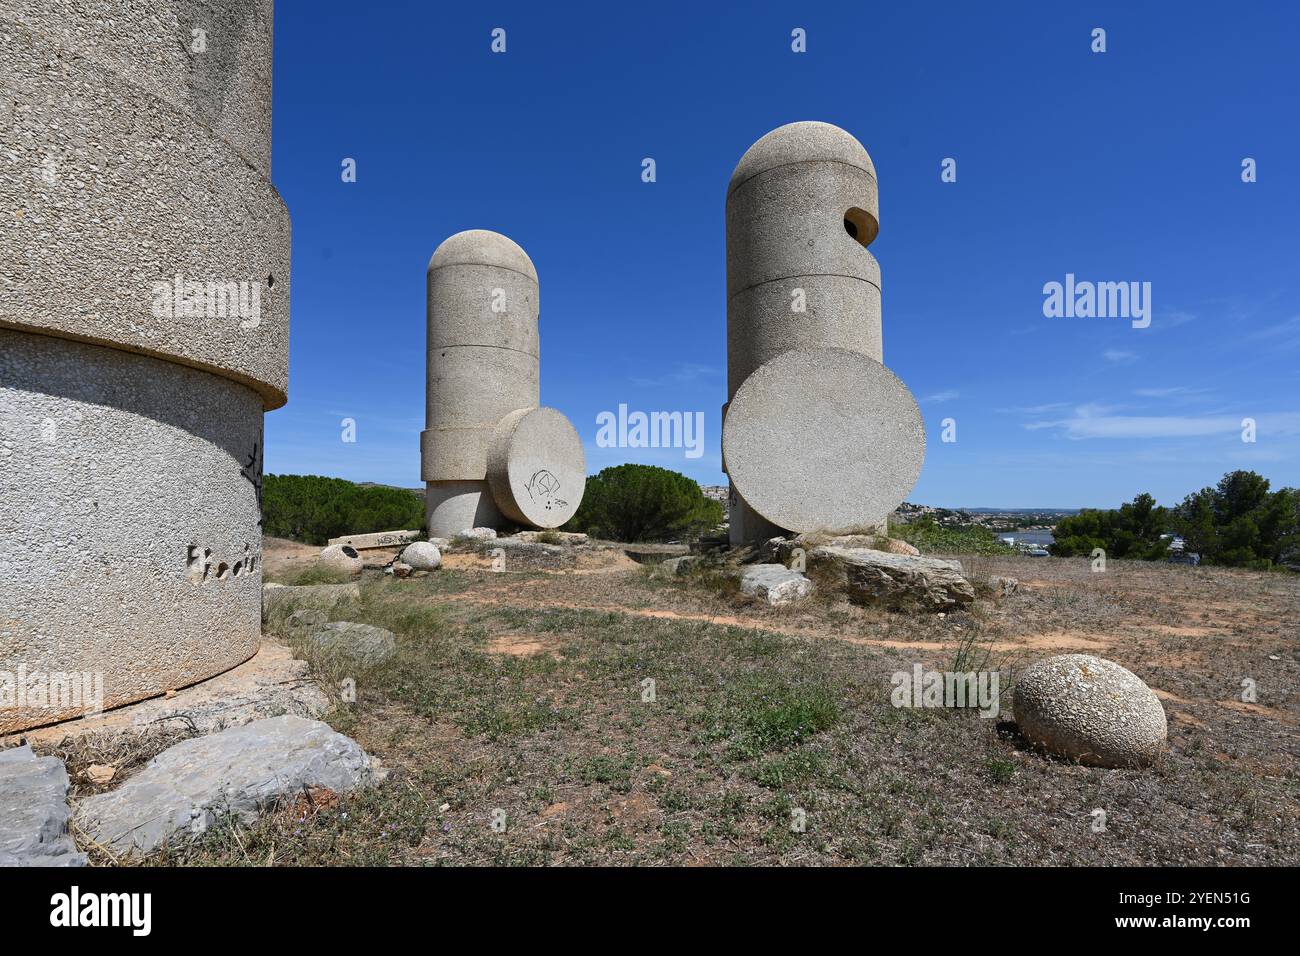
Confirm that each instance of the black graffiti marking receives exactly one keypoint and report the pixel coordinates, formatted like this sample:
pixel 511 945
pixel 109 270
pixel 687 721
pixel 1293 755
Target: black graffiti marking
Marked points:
pixel 252 470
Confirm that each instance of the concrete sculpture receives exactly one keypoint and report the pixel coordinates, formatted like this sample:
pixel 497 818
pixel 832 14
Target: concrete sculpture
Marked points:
pixel 489 453
pixel 143 332
pixel 817 434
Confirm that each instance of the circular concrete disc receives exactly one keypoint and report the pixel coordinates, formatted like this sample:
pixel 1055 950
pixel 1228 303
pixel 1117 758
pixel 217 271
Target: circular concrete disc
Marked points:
pixel 823 440
pixel 536 467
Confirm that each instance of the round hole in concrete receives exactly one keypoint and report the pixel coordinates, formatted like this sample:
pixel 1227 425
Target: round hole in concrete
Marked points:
pixel 860 225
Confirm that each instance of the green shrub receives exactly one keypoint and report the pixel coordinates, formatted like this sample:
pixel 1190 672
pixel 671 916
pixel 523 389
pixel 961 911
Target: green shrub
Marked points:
pixel 313 509
pixel 644 503
pixel 1132 531
pixel 1238 523
pixel 929 537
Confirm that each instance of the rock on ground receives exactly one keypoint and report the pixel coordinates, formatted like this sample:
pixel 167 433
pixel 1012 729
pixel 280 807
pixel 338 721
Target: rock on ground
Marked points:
pixel 422 556
pixel 475 534
pixel 1090 710
pixel 239 771
pixel 519 544
pixel 362 644
pixel 34 811
pixel 306 617
pixel 553 537
pixel 278 602
pixel 775 583
pixel 1004 587
pixel 675 567
pixel 896 581
pixel 782 549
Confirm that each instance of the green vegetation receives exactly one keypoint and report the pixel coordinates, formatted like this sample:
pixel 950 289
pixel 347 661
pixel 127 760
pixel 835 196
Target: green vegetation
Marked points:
pixel 1238 523
pixel 644 503
pixel 928 536
pixel 313 509
pixel 1131 532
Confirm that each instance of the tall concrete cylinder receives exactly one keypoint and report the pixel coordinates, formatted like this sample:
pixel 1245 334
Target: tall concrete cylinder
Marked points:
pixel 143 332
pixel 483 364
pixel 802 207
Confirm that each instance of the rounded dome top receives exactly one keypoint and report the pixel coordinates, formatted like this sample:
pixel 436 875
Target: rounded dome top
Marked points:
pixel 807 141
pixel 482 247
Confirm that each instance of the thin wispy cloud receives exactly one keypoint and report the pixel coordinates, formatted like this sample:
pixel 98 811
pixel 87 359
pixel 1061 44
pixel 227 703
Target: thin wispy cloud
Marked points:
pixel 686 373
pixel 938 398
pixel 1091 422
pixel 1174 391
pixel 1119 356
pixel 1282 335
pixel 1034 409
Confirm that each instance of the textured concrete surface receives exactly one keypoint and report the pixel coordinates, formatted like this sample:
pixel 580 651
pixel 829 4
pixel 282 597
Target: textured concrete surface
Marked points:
pixel 801 208
pixel 453 506
pixel 536 467
pixel 823 440
pixel 422 556
pixel 476 386
pixel 744 524
pixel 842 313
pixel 773 583
pixel 240 771
pixel 897 582
pixel 341 556
pixel 34 811
pixel 120 191
pixel 129 538
pixel 455 454
pixel 1091 710
pixel 227 87
pixel 144 329
pixel 802 142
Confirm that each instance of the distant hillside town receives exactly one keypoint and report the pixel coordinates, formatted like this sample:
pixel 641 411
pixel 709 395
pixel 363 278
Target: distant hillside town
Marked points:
pixel 1010 519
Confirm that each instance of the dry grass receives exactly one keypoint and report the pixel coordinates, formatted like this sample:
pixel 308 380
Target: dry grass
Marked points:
pixel 764 716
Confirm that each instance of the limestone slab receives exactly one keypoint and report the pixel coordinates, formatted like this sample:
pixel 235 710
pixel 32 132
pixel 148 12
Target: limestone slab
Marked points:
pixel 377 539
pixel 34 811
pixel 240 771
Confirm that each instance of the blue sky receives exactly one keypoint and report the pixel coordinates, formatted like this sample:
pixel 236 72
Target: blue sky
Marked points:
pixel 1116 166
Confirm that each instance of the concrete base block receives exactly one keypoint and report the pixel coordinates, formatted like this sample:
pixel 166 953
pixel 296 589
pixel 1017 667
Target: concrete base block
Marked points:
pixel 453 506
pixel 455 454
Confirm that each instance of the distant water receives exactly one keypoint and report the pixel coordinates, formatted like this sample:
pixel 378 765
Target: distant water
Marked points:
pixel 1028 537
